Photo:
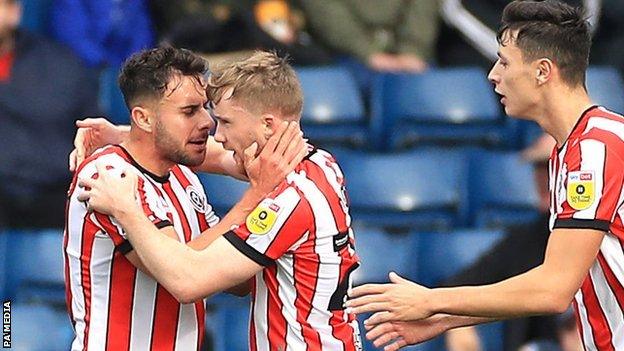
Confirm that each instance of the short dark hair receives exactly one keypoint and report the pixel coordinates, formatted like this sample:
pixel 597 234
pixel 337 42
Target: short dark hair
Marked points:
pixel 146 73
pixel 550 29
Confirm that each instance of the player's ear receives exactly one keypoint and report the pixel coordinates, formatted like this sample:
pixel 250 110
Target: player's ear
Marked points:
pixel 268 125
pixel 544 70
pixel 142 118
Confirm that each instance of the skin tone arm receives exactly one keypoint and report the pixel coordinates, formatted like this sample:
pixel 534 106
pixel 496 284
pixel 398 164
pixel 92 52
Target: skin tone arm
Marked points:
pixel 283 151
pixel 186 273
pixel 548 288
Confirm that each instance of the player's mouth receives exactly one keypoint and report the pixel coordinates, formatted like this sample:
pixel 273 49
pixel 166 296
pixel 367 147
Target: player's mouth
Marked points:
pixel 199 142
pixel 502 97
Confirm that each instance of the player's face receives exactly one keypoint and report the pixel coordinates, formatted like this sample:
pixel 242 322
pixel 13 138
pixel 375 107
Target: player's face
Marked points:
pixel 514 80
pixel 237 128
pixel 182 123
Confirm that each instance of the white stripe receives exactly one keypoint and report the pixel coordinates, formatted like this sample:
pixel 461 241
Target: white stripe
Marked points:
pixel 592 159
pixel 287 294
pixel 74 247
pixel 211 216
pixel 587 336
pixel 329 267
pixel 261 322
pixel 101 257
pixel 608 304
pixel 187 207
pixel 143 305
pixel 287 201
pixel 332 173
pixel 611 249
pixel 186 335
pixel 608 125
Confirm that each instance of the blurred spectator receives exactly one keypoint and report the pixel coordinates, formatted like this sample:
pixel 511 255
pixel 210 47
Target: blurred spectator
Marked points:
pixel 609 38
pixel 504 260
pixel 43 88
pixel 567 336
pixel 389 36
pixel 469 36
pixel 102 32
pixel 226 26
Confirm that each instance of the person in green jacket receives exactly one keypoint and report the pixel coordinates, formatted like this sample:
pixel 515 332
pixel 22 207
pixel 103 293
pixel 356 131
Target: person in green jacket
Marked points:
pixel 388 36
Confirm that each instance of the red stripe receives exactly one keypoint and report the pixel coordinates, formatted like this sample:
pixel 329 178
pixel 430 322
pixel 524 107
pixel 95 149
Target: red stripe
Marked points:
pixel 612 280
pixel 306 278
pixel 579 324
pixel 143 198
pixel 277 323
pixel 185 182
pixel 252 326
pixel 317 175
pixel 597 320
pixel 200 313
pixel 186 228
pixel 88 237
pixel 121 294
pixel 165 325
pixel 572 160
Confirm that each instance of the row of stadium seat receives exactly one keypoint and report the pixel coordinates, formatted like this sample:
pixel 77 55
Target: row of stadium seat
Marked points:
pixel 440 106
pixel 33 271
pixel 423 189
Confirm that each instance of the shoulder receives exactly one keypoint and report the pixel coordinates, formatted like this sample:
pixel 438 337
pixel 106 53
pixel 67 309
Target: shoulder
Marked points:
pixel 111 156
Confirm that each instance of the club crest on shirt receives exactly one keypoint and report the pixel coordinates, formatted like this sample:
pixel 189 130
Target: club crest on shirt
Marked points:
pixel 580 189
pixel 197 199
pixel 262 218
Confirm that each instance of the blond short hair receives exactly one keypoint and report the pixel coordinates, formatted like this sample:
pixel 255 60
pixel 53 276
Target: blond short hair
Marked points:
pixel 262 83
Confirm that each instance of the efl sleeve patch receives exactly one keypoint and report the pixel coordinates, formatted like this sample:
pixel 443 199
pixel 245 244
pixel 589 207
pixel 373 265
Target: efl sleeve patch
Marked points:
pixel 262 219
pixel 581 189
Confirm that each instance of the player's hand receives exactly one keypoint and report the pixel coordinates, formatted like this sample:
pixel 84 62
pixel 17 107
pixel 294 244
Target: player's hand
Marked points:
pixel 110 190
pixel 394 335
pixel 280 155
pixel 93 133
pixel 400 300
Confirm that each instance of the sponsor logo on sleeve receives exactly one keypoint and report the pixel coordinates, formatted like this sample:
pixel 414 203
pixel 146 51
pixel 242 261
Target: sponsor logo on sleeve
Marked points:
pixel 262 219
pixel 580 189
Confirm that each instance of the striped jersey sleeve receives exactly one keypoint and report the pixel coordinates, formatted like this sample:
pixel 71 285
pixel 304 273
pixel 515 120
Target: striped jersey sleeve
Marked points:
pixel 273 227
pixel 153 207
pixel 593 186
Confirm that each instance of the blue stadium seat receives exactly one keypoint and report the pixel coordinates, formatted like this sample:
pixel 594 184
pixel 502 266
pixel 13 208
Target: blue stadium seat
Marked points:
pixel 502 189
pixel 111 99
pixel 444 254
pixel 441 255
pixel 381 253
pixel 452 105
pixel 605 87
pixel 333 109
pixel 223 192
pixel 421 189
pixel 40 328
pixel 36 261
pixel 229 324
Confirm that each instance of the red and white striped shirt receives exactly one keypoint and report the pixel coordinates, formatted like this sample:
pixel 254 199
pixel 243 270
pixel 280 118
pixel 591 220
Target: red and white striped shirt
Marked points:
pixel 586 183
pixel 301 234
pixel 112 304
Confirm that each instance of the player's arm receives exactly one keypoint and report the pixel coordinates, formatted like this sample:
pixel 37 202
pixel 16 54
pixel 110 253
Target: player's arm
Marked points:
pixel 548 288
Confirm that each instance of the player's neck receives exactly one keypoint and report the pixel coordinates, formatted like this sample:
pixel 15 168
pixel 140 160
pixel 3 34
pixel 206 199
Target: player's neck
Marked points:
pixel 562 111
pixel 146 155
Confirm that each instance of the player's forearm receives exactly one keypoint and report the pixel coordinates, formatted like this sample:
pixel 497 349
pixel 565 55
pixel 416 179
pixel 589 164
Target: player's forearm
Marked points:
pixel 532 293
pixel 170 262
pixel 235 216
pixel 452 321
